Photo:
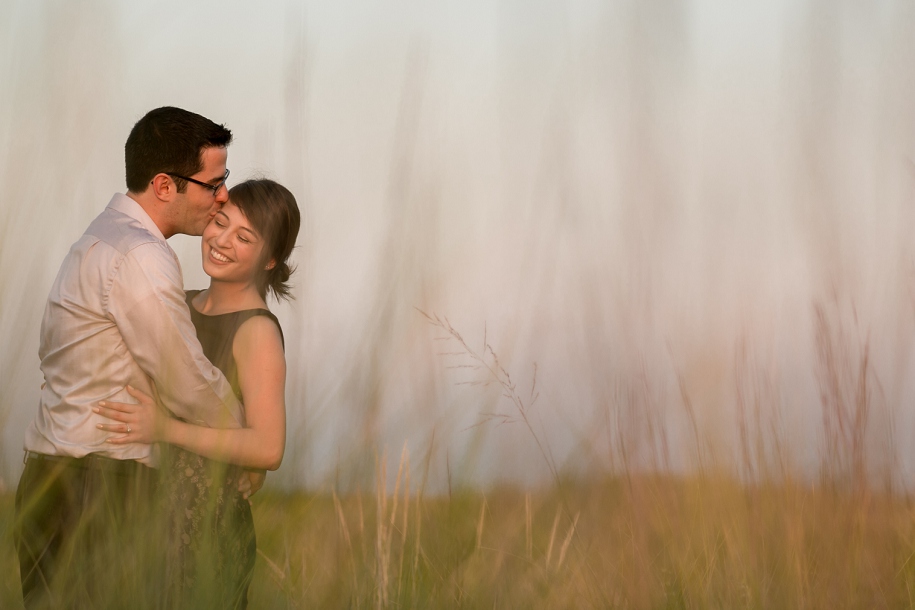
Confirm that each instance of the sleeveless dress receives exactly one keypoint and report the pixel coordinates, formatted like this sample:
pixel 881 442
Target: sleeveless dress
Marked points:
pixel 209 537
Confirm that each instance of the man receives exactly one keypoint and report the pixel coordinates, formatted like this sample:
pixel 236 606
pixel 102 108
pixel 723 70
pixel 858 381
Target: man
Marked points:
pixel 116 316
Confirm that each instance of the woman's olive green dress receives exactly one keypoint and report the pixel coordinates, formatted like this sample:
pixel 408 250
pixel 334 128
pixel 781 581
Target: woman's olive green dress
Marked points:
pixel 210 542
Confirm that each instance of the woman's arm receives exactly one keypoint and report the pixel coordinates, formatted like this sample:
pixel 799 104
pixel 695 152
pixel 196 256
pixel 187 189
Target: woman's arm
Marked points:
pixel 258 351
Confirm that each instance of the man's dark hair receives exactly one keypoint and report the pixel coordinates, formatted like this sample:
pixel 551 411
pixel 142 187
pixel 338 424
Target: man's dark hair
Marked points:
pixel 170 140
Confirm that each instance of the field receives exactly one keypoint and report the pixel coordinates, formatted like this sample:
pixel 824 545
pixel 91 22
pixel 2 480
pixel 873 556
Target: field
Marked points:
pixel 639 542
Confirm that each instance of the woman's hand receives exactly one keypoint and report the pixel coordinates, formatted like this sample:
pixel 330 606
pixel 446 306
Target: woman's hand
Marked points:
pixel 138 423
pixel 250 482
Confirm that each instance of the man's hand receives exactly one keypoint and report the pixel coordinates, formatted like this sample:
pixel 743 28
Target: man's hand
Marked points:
pixel 250 483
pixel 143 422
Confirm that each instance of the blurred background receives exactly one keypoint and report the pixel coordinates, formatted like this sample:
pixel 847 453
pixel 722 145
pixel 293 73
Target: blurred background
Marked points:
pixel 683 228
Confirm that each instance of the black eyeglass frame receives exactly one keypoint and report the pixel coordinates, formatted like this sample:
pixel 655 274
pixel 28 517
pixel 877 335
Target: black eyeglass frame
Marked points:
pixel 213 187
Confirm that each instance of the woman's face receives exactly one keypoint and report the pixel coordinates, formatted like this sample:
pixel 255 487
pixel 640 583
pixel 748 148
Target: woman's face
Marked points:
pixel 232 249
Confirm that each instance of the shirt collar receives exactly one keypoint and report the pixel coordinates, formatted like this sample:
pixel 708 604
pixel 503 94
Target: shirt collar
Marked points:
pixel 124 204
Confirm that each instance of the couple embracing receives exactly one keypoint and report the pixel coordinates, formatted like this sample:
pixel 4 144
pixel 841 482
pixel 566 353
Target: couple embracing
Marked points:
pixel 161 410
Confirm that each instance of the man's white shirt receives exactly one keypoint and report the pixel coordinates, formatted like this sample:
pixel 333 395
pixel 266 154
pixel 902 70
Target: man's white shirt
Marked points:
pixel 116 315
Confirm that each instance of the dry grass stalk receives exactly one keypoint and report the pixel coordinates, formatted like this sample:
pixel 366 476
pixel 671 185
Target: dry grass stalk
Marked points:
pixel 277 572
pixel 405 458
pixel 844 374
pixel 693 422
pixel 567 542
pixel 549 548
pixel 488 363
pixel 743 431
pixel 763 453
pixel 635 422
pixel 417 544
pixel 529 544
pixel 386 523
pixel 417 551
pixel 480 524
pixel 381 534
pixel 343 526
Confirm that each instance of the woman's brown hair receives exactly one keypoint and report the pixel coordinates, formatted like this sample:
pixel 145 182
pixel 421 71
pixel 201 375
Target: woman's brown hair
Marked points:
pixel 273 212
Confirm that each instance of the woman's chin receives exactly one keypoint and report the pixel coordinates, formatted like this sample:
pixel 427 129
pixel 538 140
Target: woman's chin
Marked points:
pixel 214 271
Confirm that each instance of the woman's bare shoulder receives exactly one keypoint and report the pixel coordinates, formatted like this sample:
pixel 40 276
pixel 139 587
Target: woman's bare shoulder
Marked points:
pixel 257 334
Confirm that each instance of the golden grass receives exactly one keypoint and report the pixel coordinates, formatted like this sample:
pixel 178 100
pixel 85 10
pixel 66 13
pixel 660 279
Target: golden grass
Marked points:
pixel 645 542
pixel 652 542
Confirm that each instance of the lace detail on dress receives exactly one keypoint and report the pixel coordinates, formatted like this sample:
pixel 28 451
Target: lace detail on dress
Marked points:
pixel 209 532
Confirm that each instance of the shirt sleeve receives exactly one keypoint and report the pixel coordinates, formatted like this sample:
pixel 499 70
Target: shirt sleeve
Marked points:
pixel 146 302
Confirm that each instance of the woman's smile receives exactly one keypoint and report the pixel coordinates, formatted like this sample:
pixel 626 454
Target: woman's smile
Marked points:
pixel 218 256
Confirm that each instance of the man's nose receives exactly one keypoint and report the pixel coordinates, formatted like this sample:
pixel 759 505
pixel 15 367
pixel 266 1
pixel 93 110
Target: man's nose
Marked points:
pixel 222 195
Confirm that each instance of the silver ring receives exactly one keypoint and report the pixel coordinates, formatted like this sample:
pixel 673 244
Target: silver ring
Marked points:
pixel 128 428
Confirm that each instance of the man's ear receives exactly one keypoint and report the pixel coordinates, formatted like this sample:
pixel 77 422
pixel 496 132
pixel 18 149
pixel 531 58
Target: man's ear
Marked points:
pixel 163 187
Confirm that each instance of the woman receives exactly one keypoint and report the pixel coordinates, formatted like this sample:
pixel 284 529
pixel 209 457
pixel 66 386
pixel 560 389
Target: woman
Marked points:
pixel 210 533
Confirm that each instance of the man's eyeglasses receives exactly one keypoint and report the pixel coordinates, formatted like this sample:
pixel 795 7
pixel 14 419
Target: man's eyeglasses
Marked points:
pixel 213 187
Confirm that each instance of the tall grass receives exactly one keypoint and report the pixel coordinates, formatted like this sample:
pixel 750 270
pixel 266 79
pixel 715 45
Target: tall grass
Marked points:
pixel 651 542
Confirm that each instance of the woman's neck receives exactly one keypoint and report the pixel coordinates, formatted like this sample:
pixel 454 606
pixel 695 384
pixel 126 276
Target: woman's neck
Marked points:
pixel 226 297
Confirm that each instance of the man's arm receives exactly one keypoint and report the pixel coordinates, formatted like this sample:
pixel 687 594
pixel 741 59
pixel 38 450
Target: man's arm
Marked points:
pixel 146 301
pixel 258 351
